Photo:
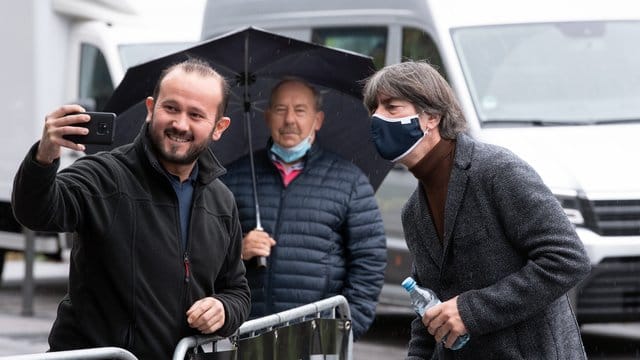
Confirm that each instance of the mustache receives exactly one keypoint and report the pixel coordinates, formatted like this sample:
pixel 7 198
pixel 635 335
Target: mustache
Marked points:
pixel 289 130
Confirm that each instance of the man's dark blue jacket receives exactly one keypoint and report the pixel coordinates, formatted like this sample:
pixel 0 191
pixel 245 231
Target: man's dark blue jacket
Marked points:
pixel 328 230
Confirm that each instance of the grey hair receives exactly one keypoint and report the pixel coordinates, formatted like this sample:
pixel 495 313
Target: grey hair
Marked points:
pixel 317 96
pixel 420 84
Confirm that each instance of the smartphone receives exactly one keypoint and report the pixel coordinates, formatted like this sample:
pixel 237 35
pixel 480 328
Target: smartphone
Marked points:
pixel 101 129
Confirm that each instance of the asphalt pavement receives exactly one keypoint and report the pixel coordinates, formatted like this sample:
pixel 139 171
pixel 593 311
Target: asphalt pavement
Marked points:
pixel 26 334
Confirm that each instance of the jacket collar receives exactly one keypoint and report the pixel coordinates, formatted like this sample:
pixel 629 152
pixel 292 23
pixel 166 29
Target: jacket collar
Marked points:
pixel 464 151
pixel 457 185
pixel 209 167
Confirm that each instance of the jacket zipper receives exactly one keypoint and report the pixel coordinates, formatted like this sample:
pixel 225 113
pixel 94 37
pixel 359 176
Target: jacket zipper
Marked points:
pixel 270 301
pixel 187 268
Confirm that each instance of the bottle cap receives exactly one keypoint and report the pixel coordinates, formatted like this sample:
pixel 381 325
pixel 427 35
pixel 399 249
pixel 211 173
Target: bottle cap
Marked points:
pixel 408 283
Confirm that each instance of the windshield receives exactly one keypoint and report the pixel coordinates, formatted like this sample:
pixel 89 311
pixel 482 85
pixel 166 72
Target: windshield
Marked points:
pixel 558 72
pixel 134 54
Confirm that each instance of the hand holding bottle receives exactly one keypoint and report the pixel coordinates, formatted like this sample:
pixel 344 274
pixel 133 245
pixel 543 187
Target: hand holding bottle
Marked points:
pixel 442 320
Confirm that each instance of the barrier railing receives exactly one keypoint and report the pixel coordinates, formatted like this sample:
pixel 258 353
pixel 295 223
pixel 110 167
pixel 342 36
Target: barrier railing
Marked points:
pixel 300 327
pixel 315 329
pixel 93 353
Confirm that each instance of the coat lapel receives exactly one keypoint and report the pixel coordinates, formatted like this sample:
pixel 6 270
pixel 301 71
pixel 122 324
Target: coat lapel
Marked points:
pixel 457 186
pixel 419 231
pixel 417 223
pixel 428 231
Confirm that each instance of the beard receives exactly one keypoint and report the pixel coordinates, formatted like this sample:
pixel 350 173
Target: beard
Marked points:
pixel 170 153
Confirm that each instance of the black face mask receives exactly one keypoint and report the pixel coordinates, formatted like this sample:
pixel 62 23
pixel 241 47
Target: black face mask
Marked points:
pixel 395 138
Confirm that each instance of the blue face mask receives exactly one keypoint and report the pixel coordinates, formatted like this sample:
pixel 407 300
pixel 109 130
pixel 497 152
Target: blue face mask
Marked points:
pixel 289 155
pixel 395 138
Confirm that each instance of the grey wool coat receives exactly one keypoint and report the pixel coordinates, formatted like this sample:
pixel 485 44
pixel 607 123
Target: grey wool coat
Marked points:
pixel 509 252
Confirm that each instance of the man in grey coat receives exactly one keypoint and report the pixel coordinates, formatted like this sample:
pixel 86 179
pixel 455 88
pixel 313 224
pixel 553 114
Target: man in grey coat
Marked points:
pixel 487 235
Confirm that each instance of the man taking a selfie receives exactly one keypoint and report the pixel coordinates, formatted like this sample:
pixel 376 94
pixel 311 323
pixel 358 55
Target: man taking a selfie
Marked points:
pixel 157 256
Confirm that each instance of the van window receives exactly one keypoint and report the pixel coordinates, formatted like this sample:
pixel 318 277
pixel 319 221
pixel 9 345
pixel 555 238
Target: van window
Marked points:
pixel 371 41
pixel 418 45
pixel 95 80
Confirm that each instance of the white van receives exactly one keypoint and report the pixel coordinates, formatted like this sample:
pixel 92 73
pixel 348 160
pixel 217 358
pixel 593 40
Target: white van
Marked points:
pixel 63 51
pixel 557 82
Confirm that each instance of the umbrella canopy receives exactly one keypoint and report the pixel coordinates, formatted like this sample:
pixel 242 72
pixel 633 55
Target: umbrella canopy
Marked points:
pixel 253 61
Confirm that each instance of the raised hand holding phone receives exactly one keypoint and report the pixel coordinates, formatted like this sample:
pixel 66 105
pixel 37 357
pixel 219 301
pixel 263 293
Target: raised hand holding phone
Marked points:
pixel 101 128
pixel 70 126
pixel 56 126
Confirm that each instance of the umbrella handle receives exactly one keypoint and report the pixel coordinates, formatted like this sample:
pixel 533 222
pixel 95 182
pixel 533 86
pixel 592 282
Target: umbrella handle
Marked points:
pixel 261 261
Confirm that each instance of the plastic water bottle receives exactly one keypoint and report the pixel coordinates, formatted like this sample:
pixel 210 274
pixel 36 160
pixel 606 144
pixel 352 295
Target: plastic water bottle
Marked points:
pixel 422 299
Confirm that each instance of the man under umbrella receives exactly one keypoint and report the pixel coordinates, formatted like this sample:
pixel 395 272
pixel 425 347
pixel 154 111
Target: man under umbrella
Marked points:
pixel 322 230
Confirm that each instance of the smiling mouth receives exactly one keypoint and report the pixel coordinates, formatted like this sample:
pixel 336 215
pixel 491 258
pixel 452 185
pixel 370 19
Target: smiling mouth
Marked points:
pixel 178 138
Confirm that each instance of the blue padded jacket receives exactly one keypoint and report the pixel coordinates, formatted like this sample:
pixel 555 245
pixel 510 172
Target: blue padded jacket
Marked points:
pixel 329 235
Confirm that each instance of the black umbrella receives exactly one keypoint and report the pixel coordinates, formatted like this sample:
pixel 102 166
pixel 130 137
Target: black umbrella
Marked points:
pixel 253 61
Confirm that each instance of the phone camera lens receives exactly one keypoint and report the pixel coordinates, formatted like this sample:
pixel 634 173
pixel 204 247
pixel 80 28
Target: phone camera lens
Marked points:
pixel 103 129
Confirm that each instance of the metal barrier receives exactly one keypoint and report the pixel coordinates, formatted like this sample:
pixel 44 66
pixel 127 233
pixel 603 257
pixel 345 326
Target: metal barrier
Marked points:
pixel 293 322
pixel 277 322
pixel 93 353
pixel 31 244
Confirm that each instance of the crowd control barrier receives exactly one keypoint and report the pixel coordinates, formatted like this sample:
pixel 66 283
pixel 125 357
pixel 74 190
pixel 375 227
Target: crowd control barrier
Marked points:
pixel 312 331
pixel 319 330
pixel 93 353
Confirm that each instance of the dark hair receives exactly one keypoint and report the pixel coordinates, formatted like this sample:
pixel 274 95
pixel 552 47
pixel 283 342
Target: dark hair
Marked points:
pixel 201 67
pixel 287 79
pixel 422 85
